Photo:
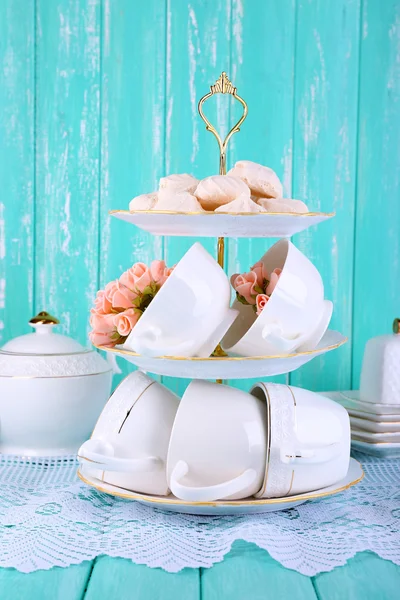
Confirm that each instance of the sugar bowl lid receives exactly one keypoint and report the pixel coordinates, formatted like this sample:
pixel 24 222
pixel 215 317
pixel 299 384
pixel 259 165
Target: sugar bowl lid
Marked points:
pixel 44 353
pixel 43 340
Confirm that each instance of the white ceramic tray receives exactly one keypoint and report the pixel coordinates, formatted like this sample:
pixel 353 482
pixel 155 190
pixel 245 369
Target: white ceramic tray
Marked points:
pixel 229 367
pixel 351 399
pixel 227 507
pixel 368 436
pixel 262 225
pixel 368 410
pixel 380 449
pixel 367 425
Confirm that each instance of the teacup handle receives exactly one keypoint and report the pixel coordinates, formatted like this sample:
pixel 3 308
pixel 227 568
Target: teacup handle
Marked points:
pixel 311 455
pixel 99 454
pixel 272 332
pixel 147 345
pixel 211 492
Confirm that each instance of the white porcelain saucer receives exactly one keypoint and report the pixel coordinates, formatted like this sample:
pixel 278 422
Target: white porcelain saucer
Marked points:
pixel 351 402
pixel 229 367
pixel 226 507
pixel 379 449
pixel 368 436
pixel 263 225
pixel 367 425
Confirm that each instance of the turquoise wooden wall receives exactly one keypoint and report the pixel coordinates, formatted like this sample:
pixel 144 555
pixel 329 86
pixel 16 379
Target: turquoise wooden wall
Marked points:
pixel 98 99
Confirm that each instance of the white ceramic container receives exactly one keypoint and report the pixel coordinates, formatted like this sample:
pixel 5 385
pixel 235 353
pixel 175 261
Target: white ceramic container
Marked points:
pixel 380 374
pixel 211 224
pixel 296 315
pixel 218 444
pixel 190 313
pixel 52 390
pixel 228 507
pixel 129 444
pixel 308 443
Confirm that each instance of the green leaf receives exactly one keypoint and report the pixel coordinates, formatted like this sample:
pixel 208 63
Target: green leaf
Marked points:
pixel 242 299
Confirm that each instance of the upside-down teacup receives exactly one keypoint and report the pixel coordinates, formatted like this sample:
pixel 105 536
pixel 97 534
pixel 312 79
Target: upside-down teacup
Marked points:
pixel 190 313
pixel 296 315
pixel 129 443
pixel 218 444
pixel 308 440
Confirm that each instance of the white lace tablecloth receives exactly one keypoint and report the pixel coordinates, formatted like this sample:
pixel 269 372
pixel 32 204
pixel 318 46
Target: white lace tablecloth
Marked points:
pixel 48 517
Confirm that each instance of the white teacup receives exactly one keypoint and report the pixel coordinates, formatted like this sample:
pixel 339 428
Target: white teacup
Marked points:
pixel 308 444
pixel 296 315
pixel 218 444
pixel 129 443
pixel 190 314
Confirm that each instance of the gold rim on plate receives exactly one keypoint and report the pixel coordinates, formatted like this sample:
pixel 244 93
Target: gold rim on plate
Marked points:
pixel 255 502
pixel 207 213
pixel 226 358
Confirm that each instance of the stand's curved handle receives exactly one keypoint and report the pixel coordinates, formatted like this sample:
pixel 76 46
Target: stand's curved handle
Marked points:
pixel 211 492
pixel 222 86
pixel 100 454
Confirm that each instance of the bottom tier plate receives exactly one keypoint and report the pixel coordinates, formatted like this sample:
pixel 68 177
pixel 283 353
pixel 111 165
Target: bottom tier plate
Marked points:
pixel 226 507
pixel 229 367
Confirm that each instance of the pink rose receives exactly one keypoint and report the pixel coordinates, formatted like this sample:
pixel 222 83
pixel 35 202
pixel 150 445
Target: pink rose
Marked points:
pixel 101 339
pixel 137 278
pixel 261 301
pixel 125 321
pixel 101 303
pixel 160 272
pixel 102 323
pixel 103 331
pixel 273 281
pixel 119 295
pixel 261 273
pixel 244 286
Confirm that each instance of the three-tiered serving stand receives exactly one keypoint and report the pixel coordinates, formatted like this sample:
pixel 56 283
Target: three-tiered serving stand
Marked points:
pixel 221 366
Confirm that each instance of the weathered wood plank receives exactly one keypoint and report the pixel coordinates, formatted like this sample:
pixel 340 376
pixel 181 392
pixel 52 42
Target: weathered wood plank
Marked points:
pixel 364 577
pixel 263 36
pixel 67 160
pixel 250 572
pixel 198 49
pixel 56 584
pixel 324 163
pixel 17 43
pixel 132 128
pixel 121 578
pixel 377 251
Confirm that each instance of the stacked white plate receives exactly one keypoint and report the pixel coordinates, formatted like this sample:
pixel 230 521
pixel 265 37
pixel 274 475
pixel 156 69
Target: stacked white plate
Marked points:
pixel 375 427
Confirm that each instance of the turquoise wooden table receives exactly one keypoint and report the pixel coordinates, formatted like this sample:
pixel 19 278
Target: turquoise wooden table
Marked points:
pixel 247 573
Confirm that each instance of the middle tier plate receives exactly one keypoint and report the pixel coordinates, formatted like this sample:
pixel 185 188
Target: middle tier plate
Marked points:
pixel 210 224
pixel 229 367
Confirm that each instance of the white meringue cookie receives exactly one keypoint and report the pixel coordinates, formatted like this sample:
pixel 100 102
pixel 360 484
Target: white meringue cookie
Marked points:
pixel 261 180
pixel 283 205
pixel 241 204
pixel 180 182
pixel 171 201
pixel 217 190
pixel 143 202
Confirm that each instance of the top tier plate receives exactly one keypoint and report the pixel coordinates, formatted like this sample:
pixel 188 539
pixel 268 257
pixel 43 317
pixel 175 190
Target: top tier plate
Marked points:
pixel 245 225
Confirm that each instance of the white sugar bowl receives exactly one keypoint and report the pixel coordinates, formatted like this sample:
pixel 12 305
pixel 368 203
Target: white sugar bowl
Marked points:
pixel 380 374
pixel 52 391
